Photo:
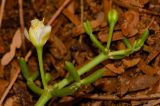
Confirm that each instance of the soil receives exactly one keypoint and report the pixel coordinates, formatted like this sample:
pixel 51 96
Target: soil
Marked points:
pixel 133 80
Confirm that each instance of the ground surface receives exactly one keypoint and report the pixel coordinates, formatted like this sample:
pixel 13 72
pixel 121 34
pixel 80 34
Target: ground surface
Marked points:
pixel 133 80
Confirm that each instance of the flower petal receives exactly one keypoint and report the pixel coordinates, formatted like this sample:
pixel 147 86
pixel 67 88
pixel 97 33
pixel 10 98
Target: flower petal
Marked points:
pixel 26 34
pixel 45 34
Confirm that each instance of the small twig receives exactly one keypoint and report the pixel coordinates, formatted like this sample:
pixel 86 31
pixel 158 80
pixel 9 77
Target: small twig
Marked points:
pixel 20 2
pixel 82 10
pixel 126 98
pixel 58 11
pixel 29 53
pixel 152 20
pixel 16 70
pixel 82 16
pixel 1 11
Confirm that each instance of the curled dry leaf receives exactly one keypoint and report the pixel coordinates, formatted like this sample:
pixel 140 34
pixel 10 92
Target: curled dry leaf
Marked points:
pixel 128 23
pixel 8 57
pixel 130 62
pixel 113 68
pixel 16 43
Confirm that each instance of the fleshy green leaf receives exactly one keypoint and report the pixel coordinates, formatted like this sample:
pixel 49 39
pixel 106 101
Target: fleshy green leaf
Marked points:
pixel 87 27
pixel 72 71
pixel 140 42
pixel 24 68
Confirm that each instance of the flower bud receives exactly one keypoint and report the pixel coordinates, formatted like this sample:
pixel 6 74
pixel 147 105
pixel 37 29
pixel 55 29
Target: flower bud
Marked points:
pixel 112 16
pixel 38 33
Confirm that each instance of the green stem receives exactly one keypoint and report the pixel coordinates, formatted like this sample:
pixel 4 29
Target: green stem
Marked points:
pixel 127 43
pixel 93 77
pixel 109 38
pixel 45 97
pixel 98 59
pixel 125 52
pixel 97 43
pixel 88 29
pixel 40 60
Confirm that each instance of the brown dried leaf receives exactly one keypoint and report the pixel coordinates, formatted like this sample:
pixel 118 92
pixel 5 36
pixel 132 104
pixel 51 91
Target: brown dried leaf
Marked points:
pixel 130 62
pixel 142 82
pixel 128 84
pixel 16 43
pixel 8 57
pixel 147 48
pixel 147 69
pixel 128 23
pixel 117 70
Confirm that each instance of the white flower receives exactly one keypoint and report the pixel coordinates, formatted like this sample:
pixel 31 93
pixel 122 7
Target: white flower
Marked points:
pixel 38 33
